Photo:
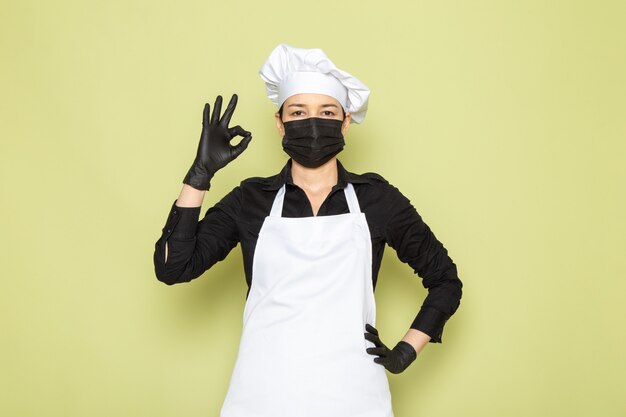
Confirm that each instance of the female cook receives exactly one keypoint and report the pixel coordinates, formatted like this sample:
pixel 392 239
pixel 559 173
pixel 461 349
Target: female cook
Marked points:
pixel 312 238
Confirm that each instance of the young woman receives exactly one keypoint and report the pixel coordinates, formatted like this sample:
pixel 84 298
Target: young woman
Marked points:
pixel 312 238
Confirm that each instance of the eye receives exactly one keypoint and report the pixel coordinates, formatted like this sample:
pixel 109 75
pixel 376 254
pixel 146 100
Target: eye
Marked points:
pixel 297 113
pixel 328 113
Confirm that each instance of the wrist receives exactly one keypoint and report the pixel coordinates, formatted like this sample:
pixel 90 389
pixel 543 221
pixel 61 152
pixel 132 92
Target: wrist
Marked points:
pixel 198 178
pixel 417 339
pixel 407 350
pixel 190 197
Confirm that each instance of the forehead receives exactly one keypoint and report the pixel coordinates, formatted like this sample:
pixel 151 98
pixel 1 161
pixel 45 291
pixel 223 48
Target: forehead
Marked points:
pixel 311 99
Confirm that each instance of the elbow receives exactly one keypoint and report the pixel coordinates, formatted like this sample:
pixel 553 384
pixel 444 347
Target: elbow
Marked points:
pixel 171 274
pixel 185 266
pixel 454 290
pixel 166 273
pixel 446 293
pixel 167 279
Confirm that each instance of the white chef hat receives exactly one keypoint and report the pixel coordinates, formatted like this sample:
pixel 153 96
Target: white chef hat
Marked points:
pixel 290 71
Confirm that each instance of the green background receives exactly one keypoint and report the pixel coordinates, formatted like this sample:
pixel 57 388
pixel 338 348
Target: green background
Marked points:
pixel 503 122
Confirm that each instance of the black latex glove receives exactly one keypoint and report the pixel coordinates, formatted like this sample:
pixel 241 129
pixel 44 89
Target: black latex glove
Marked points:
pixel 215 150
pixel 395 360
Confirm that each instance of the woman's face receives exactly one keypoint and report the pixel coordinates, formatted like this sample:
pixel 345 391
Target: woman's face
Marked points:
pixel 303 106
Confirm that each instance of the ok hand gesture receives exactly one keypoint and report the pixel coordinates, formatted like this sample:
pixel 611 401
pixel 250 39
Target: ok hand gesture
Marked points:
pixel 215 150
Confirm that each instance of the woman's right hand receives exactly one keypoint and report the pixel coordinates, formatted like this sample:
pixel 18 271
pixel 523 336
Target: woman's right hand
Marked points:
pixel 215 150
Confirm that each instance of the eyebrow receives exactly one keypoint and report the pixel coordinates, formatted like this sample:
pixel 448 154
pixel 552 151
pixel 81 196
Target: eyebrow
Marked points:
pixel 304 105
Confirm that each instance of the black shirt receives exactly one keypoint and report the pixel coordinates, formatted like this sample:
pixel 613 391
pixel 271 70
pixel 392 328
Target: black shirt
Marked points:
pixel 193 247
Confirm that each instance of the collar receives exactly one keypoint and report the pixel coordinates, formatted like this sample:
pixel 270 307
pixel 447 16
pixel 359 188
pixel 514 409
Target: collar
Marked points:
pixel 343 177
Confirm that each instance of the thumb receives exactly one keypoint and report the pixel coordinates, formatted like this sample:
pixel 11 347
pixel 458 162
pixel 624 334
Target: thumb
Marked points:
pixel 241 146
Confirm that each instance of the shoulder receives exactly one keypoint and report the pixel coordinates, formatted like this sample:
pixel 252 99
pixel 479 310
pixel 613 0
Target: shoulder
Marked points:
pixel 251 181
pixel 372 178
pixel 375 184
pixel 379 190
pixel 249 192
pixel 258 182
pixel 265 183
pixel 376 188
pixel 375 178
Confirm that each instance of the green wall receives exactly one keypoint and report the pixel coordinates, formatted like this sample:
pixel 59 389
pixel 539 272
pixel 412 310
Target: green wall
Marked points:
pixel 503 122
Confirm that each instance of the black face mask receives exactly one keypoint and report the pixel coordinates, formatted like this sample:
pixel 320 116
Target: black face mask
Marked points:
pixel 313 141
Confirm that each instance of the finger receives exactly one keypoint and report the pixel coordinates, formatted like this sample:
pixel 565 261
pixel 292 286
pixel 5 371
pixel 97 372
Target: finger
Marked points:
pixel 374 339
pixel 238 130
pixel 217 108
pixel 229 111
pixel 379 360
pixel 371 328
pixel 380 351
pixel 206 113
pixel 241 146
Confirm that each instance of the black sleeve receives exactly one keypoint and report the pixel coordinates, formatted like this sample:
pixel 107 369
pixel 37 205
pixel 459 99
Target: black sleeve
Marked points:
pixel 416 245
pixel 192 246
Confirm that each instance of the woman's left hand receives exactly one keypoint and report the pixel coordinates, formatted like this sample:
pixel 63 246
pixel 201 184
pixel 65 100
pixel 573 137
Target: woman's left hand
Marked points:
pixel 395 360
